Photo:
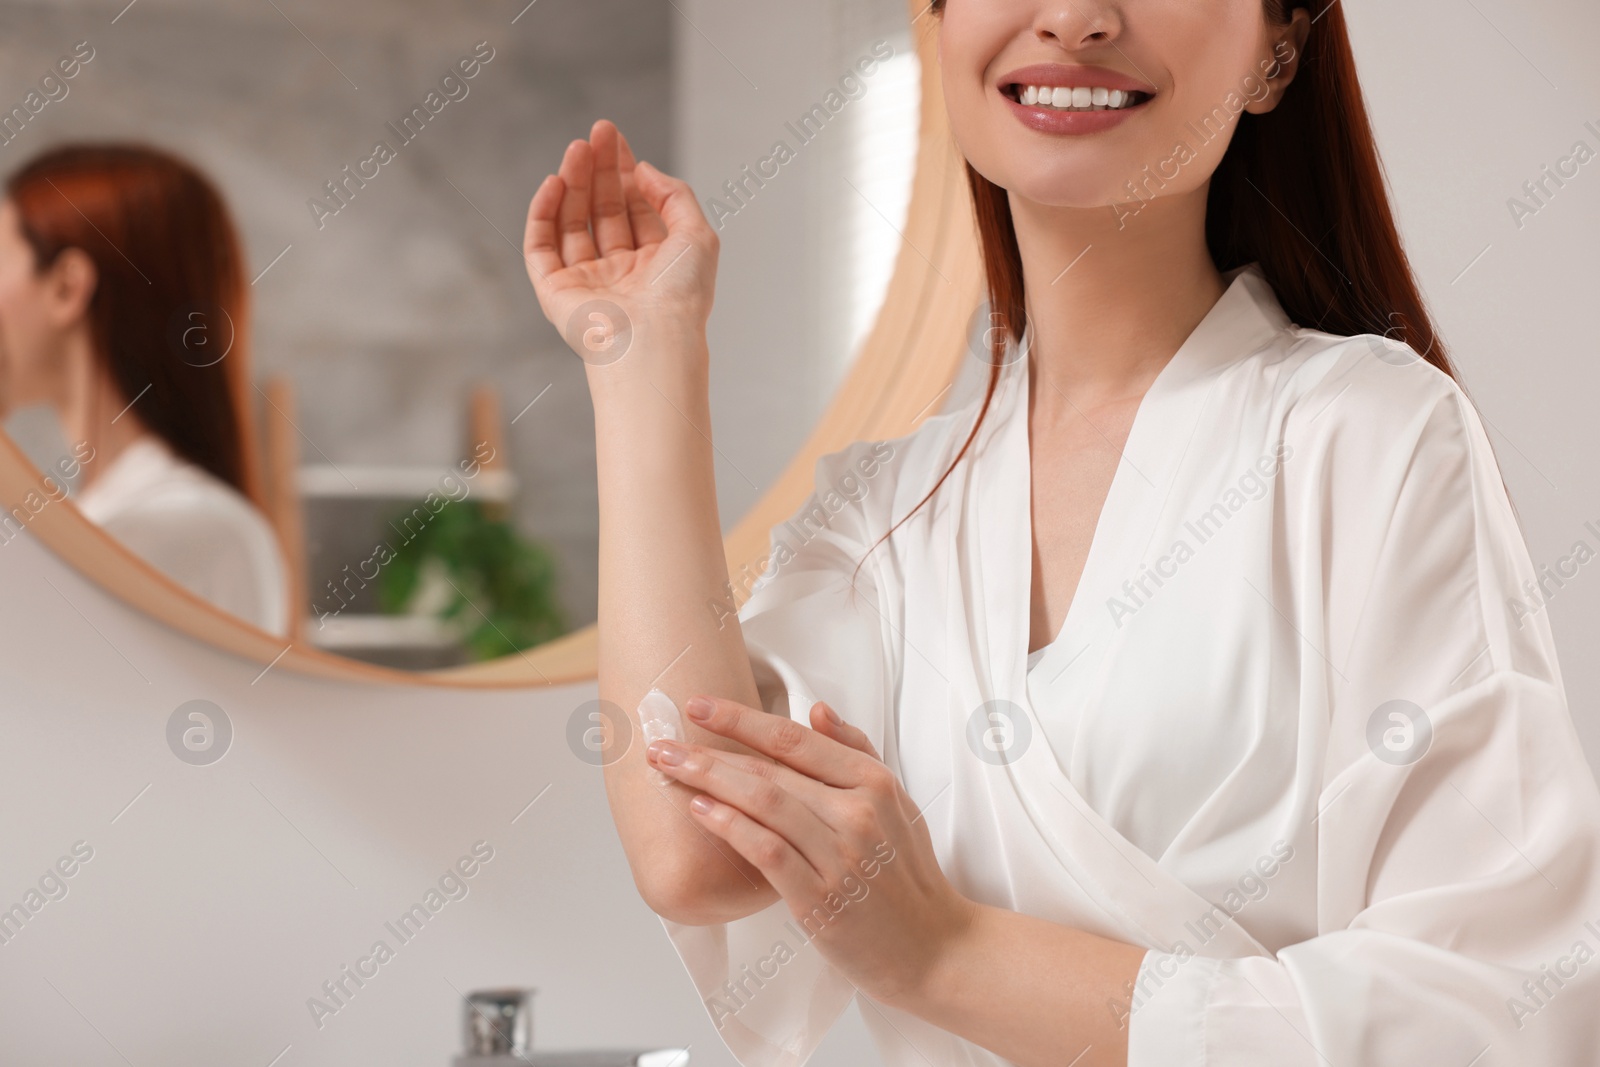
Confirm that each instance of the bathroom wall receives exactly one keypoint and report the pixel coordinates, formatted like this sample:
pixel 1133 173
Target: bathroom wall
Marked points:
pixel 251 882
pixel 216 900
pixel 1513 293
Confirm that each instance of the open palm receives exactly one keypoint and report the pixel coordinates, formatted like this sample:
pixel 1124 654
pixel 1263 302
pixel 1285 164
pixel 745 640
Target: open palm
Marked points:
pixel 614 244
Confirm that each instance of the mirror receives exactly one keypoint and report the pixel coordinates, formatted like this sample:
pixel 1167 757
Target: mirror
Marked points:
pixel 406 480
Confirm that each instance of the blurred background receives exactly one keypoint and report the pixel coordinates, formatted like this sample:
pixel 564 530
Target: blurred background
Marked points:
pixel 221 897
pixel 395 331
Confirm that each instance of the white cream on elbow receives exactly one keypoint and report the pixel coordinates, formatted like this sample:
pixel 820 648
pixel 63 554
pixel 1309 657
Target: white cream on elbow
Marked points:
pixel 659 719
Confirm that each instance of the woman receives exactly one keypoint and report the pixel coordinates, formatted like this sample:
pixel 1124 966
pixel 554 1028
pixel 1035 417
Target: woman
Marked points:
pixel 123 305
pixel 1165 706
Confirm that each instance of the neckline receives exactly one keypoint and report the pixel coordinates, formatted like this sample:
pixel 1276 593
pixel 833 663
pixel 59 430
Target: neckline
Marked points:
pixel 1241 322
pixel 1108 507
pixel 144 463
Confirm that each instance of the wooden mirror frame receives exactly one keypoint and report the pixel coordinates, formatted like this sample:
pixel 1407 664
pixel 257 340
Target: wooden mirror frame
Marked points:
pixel 904 367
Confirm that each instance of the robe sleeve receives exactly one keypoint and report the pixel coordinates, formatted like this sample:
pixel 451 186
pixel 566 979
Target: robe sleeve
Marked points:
pixel 1457 822
pixel 815 630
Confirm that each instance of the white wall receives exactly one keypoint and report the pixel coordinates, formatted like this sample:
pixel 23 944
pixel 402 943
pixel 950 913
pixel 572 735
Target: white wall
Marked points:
pixel 218 902
pixel 1470 102
pixel 742 71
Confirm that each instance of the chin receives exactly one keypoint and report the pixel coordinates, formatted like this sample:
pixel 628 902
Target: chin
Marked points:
pixel 1085 183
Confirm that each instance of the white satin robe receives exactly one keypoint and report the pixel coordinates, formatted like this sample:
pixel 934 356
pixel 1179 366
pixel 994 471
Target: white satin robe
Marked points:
pixel 1208 761
pixel 194 528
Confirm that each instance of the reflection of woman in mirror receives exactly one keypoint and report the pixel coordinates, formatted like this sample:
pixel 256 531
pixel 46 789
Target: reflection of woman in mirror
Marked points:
pixel 123 306
pixel 1188 698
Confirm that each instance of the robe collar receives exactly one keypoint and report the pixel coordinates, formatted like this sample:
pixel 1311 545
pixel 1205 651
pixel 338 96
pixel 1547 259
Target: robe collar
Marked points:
pixel 1243 321
pixel 1087 871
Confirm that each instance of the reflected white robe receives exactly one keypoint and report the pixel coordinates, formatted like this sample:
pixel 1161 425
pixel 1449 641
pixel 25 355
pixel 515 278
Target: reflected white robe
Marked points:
pixel 1206 761
pixel 194 528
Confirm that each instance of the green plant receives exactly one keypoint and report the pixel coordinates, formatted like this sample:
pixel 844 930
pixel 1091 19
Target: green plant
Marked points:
pixel 470 567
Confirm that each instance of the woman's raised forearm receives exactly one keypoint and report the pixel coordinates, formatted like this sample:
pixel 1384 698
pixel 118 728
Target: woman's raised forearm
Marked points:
pixel 664 619
pixel 624 263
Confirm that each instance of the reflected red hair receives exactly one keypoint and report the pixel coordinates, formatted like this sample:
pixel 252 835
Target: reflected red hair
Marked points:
pixel 164 248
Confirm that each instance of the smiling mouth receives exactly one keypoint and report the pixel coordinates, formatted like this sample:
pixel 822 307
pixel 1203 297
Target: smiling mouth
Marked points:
pixel 1074 98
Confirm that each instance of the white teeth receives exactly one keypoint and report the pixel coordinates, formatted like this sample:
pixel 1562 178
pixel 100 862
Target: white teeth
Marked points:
pixel 1079 98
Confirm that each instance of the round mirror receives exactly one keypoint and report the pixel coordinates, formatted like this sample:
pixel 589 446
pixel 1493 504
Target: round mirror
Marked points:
pixel 270 367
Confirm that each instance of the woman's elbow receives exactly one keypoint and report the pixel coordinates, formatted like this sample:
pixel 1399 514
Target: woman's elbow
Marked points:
pixel 699 894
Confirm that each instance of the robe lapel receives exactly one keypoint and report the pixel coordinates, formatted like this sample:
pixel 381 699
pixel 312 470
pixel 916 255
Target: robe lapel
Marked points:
pixel 1039 847
pixel 1244 319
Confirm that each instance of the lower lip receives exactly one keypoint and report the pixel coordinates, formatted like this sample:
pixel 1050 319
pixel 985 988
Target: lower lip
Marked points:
pixel 1047 120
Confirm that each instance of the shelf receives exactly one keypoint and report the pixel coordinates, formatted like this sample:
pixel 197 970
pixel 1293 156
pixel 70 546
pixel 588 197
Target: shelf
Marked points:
pixel 350 632
pixel 352 481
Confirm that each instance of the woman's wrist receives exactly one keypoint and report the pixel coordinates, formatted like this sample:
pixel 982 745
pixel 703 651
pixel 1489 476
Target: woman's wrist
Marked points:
pixel 672 360
pixel 936 977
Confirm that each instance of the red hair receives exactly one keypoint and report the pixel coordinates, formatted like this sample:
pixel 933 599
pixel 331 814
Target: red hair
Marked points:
pixel 168 274
pixel 1300 190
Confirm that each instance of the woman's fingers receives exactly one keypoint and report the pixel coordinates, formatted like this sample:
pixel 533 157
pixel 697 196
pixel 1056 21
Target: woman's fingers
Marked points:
pixel 608 210
pixel 673 200
pixel 825 720
pixel 807 751
pixel 577 171
pixel 541 236
pixel 647 225
pixel 594 205
pixel 753 787
pixel 785 869
pixel 839 809
pixel 810 792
